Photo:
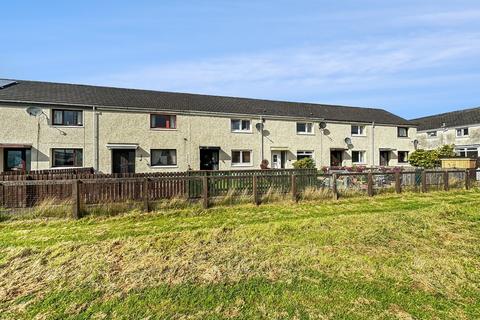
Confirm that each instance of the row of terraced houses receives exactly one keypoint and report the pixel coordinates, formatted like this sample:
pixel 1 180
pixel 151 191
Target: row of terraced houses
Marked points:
pixel 55 125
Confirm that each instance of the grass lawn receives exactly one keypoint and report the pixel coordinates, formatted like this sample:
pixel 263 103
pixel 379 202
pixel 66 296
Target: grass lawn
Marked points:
pixel 389 257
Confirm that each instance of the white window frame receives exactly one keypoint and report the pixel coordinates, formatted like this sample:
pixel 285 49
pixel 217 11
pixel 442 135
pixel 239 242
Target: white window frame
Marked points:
pixel 163 165
pixel 307 125
pixel 305 152
pixel 82 118
pixel 398 157
pixel 362 155
pixel 434 132
pixel 398 132
pixel 462 130
pixel 361 130
pixel 466 150
pixel 241 163
pixel 241 125
pixel 52 152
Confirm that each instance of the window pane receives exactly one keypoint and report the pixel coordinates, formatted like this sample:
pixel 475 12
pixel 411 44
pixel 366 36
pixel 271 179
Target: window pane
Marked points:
pixel 235 125
pixel 246 156
pixel 309 127
pixel 246 125
pixel 235 156
pixel 354 130
pixel 163 157
pixel 163 121
pixel 301 127
pixel 67 157
pixel 355 156
pixel 57 117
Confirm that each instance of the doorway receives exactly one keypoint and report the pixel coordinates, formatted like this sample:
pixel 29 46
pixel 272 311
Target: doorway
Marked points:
pixel 16 159
pixel 209 158
pixel 384 158
pixel 279 158
pixel 336 158
pixel 123 161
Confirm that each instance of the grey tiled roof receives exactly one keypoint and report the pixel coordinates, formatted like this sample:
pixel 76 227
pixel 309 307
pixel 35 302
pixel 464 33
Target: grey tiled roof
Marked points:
pixel 85 95
pixel 449 119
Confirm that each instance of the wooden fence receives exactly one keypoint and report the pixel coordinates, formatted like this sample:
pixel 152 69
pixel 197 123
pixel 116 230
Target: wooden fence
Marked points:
pixel 210 186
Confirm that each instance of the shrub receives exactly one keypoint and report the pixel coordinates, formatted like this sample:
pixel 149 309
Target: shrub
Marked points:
pixel 305 163
pixel 430 158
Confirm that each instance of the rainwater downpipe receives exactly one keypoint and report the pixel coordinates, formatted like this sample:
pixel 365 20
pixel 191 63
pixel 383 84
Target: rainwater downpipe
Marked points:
pixel 95 140
pixel 373 144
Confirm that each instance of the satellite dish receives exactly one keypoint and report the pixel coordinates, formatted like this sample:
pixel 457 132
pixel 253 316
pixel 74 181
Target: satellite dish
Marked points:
pixel 348 141
pixel 259 126
pixel 34 111
pixel 323 125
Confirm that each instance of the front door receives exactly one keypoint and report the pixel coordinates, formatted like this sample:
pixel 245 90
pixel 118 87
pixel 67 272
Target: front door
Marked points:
pixel 384 158
pixel 209 159
pixel 123 161
pixel 336 158
pixel 278 159
pixel 16 159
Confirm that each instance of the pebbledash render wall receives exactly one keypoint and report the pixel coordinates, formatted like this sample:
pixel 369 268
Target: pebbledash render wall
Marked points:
pixel 448 135
pixel 192 132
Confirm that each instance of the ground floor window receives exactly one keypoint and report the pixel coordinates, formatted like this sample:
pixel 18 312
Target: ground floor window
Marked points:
pixel 304 154
pixel 358 157
pixel 67 157
pixel 402 156
pixel 241 157
pixel 468 152
pixel 163 157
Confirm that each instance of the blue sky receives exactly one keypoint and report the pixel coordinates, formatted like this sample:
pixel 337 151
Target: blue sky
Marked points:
pixel 412 58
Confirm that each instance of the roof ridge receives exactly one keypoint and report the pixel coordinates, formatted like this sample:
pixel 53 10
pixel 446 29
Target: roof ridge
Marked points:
pixel 446 113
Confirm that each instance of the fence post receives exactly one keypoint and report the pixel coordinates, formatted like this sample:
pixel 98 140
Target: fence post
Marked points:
pixel 334 186
pixel 256 197
pixel 205 192
pixel 424 181
pixel 445 180
pixel 2 195
pixel 398 182
pixel 467 179
pixel 145 194
pixel 76 201
pixel 370 184
pixel 294 187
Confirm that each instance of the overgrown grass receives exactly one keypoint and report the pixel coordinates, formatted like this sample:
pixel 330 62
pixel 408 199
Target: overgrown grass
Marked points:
pixel 388 257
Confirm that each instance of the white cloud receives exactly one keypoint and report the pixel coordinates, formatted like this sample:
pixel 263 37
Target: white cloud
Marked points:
pixel 302 71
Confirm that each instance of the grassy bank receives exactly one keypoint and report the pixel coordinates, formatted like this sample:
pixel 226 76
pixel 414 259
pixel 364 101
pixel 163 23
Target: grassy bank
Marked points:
pixel 389 257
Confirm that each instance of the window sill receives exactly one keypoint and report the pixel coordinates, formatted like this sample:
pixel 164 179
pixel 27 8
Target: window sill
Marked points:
pixel 66 126
pixel 242 165
pixel 68 167
pixel 241 131
pixel 305 134
pixel 163 129
pixel 164 167
pixel 359 135
pixel 359 163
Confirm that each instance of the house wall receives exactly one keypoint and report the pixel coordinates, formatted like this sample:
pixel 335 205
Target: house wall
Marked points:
pixel 193 131
pixel 448 136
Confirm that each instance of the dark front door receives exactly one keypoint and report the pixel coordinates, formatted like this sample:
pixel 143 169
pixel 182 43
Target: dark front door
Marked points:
pixel 16 159
pixel 384 158
pixel 209 159
pixel 336 158
pixel 123 161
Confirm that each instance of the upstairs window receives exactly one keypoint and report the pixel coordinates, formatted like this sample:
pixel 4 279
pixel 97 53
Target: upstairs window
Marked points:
pixel 402 132
pixel 358 130
pixel 304 128
pixel 462 132
pixel 402 156
pixel 163 157
pixel 67 157
pixel 163 121
pixel 67 117
pixel 431 134
pixel 239 125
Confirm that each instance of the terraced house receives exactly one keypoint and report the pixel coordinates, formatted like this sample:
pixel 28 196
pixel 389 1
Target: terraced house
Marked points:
pixel 461 128
pixel 51 125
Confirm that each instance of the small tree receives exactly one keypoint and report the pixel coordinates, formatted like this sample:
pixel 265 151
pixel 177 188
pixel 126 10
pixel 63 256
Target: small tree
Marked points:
pixel 429 159
pixel 305 163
